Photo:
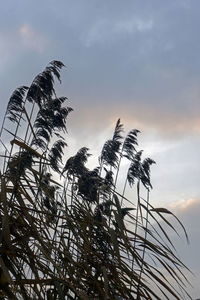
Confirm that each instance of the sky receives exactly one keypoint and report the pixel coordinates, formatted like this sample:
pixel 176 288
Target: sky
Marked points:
pixel 134 60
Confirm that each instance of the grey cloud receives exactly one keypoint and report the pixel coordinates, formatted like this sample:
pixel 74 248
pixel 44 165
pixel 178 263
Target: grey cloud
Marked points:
pixel 138 54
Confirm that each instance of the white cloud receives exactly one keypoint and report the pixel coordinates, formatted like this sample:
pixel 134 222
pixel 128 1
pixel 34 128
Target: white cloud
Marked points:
pixel 31 39
pixel 185 204
pixel 144 25
pixel 17 41
pixel 98 33
pixel 26 32
pixel 105 30
pixel 134 25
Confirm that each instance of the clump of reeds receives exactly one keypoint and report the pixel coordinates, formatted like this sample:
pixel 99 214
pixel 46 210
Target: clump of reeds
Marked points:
pixel 77 238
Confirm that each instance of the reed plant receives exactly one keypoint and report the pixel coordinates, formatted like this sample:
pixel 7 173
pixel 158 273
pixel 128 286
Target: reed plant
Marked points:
pixel 66 230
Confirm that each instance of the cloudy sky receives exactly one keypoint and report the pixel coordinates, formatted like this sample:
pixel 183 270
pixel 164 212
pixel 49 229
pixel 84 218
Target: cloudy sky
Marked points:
pixel 137 60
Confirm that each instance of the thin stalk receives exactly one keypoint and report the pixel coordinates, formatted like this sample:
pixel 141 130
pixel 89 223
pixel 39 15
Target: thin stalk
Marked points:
pixel 145 238
pixel 15 134
pixel 124 189
pixel 72 196
pixel 2 126
pixel 118 168
pixel 136 224
pixel 29 123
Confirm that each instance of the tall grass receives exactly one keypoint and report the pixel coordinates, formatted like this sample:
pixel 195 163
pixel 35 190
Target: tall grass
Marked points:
pixel 77 238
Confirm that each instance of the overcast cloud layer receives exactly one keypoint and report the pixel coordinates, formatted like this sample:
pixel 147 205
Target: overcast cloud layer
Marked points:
pixel 138 60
